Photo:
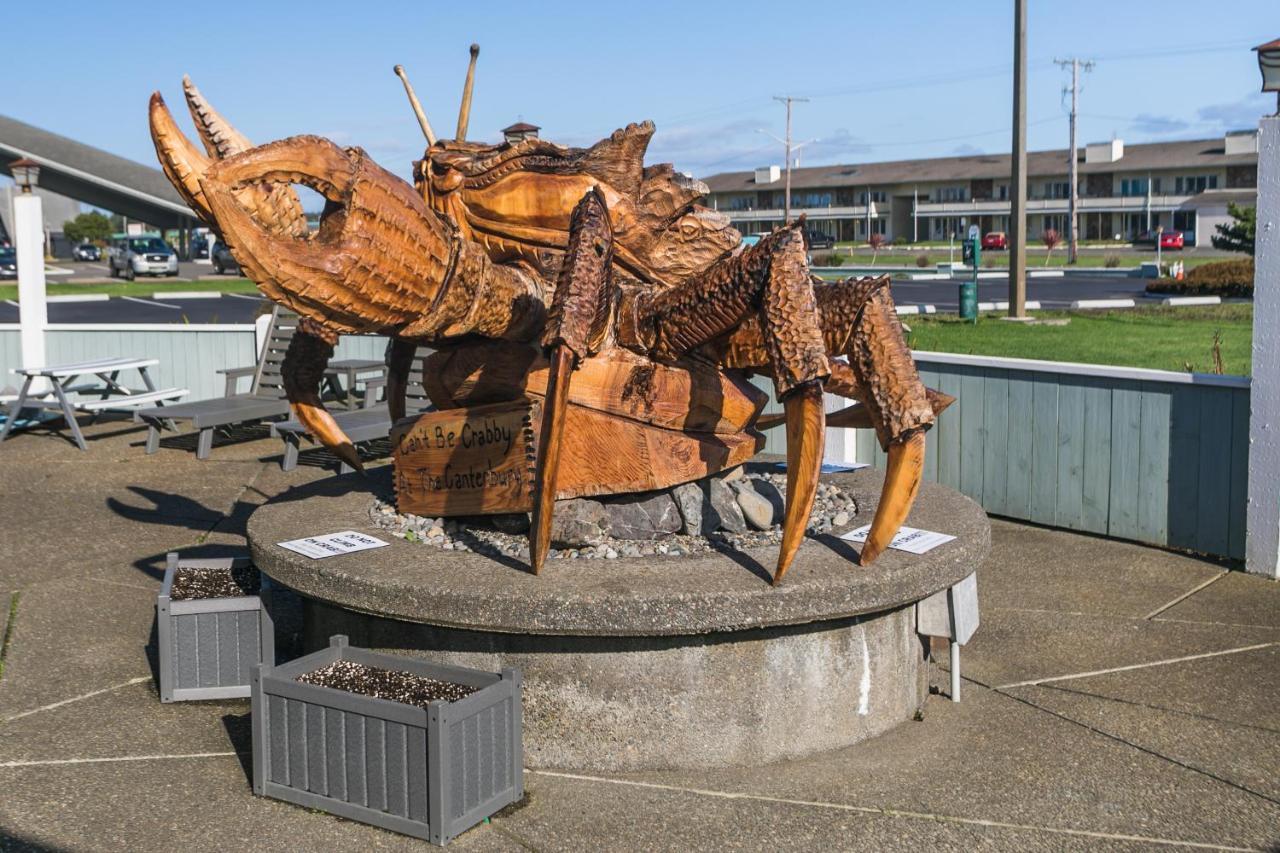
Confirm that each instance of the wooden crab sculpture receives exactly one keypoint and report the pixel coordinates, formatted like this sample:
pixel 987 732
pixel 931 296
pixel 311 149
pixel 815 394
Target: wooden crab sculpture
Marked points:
pixel 577 278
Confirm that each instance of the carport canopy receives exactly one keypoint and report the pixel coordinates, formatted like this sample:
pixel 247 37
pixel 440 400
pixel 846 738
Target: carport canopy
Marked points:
pixel 94 176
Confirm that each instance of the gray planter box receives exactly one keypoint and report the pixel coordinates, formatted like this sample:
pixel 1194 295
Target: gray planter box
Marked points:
pixel 427 772
pixel 209 646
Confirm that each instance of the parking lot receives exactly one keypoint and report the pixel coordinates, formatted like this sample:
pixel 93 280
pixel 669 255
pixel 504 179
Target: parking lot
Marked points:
pixel 1057 292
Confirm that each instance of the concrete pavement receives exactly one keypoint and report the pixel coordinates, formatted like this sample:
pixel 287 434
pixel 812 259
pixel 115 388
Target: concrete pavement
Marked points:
pixel 1116 697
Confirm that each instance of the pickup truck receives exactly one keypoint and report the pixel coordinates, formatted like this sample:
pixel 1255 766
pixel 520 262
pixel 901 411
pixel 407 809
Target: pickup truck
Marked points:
pixel 134 256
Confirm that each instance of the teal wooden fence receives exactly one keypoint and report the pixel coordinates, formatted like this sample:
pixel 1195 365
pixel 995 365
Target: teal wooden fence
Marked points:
pixel 1146 455
pixel 190 356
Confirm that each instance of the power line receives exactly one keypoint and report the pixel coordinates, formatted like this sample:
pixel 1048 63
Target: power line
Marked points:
pixel 788 100
pixel 1073 176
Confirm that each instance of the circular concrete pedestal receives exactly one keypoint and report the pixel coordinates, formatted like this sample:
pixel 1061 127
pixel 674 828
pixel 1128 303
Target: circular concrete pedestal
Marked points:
pixel 646 663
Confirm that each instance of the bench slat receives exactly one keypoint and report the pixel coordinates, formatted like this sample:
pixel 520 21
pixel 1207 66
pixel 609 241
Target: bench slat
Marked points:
pixel 130 401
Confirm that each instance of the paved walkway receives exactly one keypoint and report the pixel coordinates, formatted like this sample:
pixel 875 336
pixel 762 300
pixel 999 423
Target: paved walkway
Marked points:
pixel 1117 697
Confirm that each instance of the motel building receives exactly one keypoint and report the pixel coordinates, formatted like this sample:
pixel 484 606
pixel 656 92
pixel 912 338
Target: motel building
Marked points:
pixel 1124 191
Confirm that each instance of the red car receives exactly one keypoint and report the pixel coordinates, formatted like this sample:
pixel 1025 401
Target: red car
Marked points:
pixel 995 240
pixel 1168 239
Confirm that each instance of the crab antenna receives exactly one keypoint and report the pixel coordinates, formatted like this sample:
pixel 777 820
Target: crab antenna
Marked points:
pixel 464 112
pixel 417 107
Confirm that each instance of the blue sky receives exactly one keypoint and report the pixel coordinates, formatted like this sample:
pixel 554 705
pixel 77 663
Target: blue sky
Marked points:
pixel 886 81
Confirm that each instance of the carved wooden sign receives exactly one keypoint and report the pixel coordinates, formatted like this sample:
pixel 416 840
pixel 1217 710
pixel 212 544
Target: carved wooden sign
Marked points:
pixel 472 461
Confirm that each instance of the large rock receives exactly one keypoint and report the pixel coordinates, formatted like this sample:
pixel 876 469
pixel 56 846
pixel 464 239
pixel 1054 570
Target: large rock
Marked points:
pixel 578 522
pixel 650 516
pixel 757 510
pixel 724 512
pixel 690 498
pixel 772 494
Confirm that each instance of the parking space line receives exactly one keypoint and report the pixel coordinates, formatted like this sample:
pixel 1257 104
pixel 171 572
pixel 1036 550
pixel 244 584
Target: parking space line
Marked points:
pixel 142 301
pixel 255 297
pixel 188 294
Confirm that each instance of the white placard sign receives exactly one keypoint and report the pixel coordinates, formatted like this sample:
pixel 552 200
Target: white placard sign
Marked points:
pixel 333 544
pixel 909 539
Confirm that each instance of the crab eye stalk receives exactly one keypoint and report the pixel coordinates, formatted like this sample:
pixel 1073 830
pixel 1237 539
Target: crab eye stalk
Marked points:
pixel 464 111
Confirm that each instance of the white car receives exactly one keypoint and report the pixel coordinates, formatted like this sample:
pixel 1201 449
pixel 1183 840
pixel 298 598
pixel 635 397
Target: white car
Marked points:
pixel 135 256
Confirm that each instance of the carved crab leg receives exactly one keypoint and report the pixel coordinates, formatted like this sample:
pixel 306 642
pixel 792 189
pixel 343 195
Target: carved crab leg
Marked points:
pixel 859 320
pixel 900 411
pixel 302 371
pixel 576 325
pixel 399 363
pixel 771 281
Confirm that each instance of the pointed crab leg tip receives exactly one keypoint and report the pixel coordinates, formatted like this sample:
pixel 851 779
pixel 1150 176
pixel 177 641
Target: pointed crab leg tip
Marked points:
pixel 901 482
pixel 806 425
pixel 548 462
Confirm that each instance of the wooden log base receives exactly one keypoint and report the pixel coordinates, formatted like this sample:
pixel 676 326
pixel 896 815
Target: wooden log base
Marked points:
pixel 478 460
pixel 687 396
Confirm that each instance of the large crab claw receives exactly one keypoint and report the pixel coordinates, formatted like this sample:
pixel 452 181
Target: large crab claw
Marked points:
pixel 326 277
pixel 276 207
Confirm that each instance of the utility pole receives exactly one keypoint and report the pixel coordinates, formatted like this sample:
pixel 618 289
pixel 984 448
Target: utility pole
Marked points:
pixel 1074 204
pixel 788 100
pixel 1018 204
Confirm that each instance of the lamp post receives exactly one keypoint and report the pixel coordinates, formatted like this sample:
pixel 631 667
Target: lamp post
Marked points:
pixel 28 242
pixel 1269 65
pixel 1262 511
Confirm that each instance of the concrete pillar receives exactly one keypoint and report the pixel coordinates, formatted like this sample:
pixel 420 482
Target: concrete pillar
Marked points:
pixel 28 242
pixel 1262 545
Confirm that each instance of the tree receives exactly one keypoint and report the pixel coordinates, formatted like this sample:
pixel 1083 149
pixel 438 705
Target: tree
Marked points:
pixel 1050 238
pixel 875 241
pixel 88 227
pixel 1238 236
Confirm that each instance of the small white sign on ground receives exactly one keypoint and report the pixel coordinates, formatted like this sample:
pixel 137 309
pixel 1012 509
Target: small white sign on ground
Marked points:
pixel 333 544
pixel 909 539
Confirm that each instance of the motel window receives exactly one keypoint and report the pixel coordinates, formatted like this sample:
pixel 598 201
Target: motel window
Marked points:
pixel 1134 186
pixel 1192 184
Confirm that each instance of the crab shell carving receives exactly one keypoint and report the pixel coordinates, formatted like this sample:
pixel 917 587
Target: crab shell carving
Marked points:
pixel 544 272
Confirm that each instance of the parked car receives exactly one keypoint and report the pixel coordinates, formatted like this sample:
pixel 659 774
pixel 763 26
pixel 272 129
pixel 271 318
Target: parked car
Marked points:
pixel 86 252
pixel 199 247
pixel 818 240
pixel 1168 239
pixel 8 263
pixel 995 240
pixel 222 260
pixel 135 256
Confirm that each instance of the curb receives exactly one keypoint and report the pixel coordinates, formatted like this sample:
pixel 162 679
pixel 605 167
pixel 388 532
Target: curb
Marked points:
pixel 1103 303
pixel 75 297
pixel 187 294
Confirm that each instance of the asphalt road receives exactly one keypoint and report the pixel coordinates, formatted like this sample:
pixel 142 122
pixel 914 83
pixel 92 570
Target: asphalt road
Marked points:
pixel 242 308
pixel 1049 292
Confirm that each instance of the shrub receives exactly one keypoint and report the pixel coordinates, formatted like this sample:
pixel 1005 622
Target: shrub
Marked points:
pixel 922 260
pixel 1220 278
pixel 1111 261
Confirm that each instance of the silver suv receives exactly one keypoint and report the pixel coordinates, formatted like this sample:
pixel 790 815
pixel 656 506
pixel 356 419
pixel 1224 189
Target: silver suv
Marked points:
pixel 135 256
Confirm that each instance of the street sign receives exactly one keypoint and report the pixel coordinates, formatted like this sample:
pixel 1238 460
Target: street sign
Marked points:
pixel 974 232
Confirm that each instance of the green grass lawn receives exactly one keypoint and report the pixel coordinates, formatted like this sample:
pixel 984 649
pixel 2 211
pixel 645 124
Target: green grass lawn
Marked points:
pixel 1177 339
pixel 141 287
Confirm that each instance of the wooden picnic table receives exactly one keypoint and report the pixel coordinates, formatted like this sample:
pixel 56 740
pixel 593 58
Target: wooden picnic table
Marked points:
pixel 106 394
